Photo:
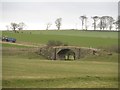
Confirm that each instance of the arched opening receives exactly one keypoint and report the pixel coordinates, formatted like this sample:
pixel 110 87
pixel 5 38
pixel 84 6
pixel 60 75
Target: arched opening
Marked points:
pixel 66 54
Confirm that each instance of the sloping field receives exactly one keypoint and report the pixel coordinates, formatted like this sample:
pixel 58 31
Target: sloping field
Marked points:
pixel 77 38
pixel 23 68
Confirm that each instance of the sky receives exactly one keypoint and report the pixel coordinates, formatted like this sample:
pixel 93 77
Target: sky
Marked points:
pixel 37 14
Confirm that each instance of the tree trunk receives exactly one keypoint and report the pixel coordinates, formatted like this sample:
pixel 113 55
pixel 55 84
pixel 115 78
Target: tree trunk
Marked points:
pixel 58 28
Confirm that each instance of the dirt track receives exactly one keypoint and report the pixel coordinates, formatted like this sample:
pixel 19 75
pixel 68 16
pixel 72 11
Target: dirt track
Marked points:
pixel 20 44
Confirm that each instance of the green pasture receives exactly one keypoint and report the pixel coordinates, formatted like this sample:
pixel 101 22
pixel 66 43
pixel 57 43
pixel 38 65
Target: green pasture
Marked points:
pixel 13 45
pixel 50 74
pixel 37 73
pixel 76 37
pixel 24 68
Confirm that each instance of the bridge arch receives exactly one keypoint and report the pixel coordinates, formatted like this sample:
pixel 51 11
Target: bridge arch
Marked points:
pixel 66 54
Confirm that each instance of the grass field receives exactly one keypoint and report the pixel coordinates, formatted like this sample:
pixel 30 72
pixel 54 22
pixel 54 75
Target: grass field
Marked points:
pixel 23 68
pixel 77 38
pixel 19 72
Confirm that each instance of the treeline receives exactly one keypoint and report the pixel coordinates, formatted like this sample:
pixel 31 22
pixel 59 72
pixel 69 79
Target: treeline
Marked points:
pixel 99 23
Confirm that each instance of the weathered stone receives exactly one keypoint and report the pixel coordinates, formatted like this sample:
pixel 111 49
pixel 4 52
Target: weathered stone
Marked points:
pixel 66 52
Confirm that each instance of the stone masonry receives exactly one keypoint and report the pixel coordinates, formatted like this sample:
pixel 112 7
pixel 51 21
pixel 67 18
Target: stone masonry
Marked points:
pixel 66 52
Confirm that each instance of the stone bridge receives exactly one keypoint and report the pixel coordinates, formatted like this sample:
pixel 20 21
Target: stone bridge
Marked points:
pixel 66 52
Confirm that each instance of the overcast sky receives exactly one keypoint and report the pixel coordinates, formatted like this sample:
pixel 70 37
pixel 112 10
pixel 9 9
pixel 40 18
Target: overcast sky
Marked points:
pixel 36 14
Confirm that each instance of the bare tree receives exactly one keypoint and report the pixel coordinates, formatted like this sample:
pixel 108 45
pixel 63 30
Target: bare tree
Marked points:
pixel 100 24
pixel 58 23
pixel 95 18
pixel 84 20
pixel 86 23
pixel 110 22
pixel 21 25
pixel 103 22
pixel 48 25
pixel 14 26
